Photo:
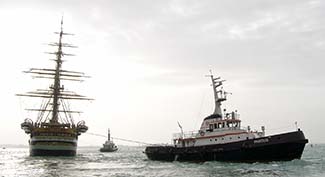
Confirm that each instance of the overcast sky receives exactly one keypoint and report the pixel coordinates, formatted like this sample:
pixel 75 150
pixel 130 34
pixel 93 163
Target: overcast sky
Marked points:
pixel 148 60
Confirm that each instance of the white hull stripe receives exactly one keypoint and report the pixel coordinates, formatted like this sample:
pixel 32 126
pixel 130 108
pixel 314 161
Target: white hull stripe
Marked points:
pixel 215 136
pixel 53 140
pixel 51 147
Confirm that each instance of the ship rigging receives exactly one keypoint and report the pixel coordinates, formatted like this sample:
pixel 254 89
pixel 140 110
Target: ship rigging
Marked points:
pixel 54 132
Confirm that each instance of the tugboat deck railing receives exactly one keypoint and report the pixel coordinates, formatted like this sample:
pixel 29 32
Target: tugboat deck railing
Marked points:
pixel 194 134
pixel 190 134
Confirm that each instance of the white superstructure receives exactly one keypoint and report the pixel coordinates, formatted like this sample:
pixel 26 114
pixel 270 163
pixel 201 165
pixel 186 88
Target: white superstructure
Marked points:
pixel 218 128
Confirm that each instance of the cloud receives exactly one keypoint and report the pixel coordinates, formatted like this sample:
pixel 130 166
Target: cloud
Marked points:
pixel 253 38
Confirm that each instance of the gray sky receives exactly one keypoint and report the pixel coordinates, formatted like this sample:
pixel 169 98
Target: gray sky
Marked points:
pixel 148 61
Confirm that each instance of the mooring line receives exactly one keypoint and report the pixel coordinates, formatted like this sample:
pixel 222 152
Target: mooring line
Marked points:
pixel 121 139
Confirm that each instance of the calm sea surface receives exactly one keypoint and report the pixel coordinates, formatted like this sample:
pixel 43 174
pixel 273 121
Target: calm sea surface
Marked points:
pixel 130 161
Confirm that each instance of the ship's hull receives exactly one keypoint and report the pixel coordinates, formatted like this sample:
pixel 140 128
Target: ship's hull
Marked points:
pixel 49 147
pixel 47 152
pixel 107 149
pixel 281 147
pixel 53 142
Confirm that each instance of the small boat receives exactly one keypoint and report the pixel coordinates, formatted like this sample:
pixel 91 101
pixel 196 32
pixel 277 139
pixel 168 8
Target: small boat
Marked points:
pixel 221 138
pixel 109 145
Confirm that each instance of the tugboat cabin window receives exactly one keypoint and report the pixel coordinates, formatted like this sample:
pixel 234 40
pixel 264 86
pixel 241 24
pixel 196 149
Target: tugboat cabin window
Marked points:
pixel 224 124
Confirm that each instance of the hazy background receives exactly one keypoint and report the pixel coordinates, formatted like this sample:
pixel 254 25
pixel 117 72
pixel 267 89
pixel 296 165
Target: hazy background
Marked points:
pixel 148 61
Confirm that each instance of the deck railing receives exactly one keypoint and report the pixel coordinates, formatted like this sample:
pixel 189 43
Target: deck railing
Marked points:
pixel 190 134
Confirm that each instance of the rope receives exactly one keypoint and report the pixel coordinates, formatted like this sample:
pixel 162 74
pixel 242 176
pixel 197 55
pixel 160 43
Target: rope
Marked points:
pixel 121 139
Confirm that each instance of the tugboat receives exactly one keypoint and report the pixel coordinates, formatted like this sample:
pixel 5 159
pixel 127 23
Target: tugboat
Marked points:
pixel 54 132
pixel 221 138
pixel 109 145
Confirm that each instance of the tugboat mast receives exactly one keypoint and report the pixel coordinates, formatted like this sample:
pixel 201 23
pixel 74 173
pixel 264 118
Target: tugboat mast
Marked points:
pixel 219 95
pixel 109 135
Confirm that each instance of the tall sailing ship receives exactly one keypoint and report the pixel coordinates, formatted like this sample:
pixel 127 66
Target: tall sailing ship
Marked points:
pixel 222 138
pixel 54 132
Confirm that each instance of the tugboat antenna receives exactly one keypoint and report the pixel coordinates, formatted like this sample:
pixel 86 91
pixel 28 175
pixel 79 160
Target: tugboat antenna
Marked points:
pixel 181 129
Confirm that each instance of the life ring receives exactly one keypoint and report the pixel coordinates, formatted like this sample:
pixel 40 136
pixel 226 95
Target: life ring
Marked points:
pixel 201 133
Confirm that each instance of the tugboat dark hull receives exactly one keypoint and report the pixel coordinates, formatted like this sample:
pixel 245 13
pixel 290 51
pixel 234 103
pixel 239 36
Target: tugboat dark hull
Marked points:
pixel 107 150
pixel 281 147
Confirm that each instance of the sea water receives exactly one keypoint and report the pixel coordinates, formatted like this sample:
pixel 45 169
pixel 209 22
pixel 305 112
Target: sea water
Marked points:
pixel 131 161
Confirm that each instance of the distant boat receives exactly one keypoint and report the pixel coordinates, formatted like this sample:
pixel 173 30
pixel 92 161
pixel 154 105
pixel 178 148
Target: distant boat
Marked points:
pixel 54 132
pixel 109 145
pixel 221 138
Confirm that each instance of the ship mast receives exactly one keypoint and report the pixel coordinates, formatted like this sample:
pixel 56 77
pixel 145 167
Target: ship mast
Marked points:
pixel 56 94
pixel 56 88
pixel 219 94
